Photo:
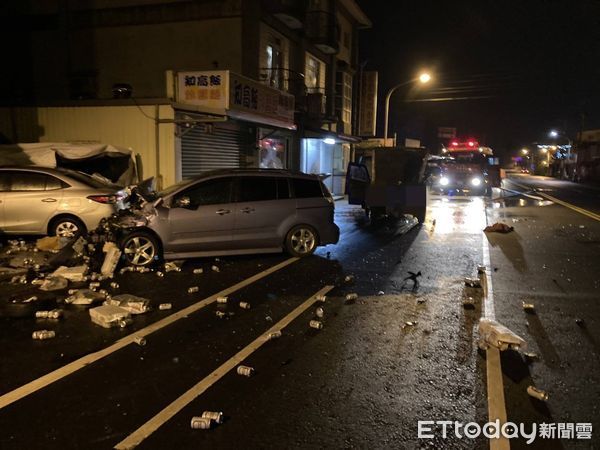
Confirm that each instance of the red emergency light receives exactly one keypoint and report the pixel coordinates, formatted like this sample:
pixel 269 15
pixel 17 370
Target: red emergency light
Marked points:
pixel 454 144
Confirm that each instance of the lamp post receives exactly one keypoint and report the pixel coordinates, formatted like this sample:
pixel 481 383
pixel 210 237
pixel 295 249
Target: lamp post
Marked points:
pixel 424 78
pixel 554 134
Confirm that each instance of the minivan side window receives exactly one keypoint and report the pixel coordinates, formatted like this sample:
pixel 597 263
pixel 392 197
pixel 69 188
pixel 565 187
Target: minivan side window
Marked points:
pixel 257 189
pixel 304 188
pixel 210 192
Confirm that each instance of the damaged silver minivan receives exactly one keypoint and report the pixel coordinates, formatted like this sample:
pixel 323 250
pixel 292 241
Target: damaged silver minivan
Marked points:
pixel 231 212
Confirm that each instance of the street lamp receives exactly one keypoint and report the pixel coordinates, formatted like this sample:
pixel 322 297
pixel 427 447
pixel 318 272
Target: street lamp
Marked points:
pixel 524 151
pixel 553 133
pixel 424 78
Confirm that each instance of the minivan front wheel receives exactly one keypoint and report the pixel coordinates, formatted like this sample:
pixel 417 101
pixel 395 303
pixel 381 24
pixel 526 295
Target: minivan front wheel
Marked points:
pixel 301 241
pixel 140 249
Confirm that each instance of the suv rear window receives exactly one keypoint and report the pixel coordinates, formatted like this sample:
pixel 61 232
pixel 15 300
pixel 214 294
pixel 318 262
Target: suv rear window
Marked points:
pixel 304 188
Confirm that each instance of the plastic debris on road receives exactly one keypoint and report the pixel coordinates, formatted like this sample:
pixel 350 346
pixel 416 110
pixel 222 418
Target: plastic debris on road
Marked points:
pixel 132 303
pixel 473 282
pixel 74 274
pixel 537 393
pixel 84 297
pixel 54 284
pixel 245 371
pixel 109 316
pixel 50 243
pixel 111 259
pixel 494 334
pixel 498 227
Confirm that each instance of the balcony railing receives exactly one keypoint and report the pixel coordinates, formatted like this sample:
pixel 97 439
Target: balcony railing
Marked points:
pixel 322 30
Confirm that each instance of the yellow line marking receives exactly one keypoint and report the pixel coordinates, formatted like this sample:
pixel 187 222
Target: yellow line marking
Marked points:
pixel 585 212
pixel 49 378
pixel 143 432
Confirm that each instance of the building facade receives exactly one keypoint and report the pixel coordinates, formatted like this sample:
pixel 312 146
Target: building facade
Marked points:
pixel 190 85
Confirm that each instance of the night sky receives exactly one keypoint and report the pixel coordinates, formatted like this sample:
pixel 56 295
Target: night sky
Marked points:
pixel 516 69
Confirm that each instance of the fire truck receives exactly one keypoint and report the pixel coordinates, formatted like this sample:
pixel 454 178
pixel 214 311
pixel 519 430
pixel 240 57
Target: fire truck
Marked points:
pixel 467 167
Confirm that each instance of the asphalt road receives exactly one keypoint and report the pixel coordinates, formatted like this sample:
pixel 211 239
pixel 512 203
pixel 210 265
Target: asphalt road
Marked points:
pixel 381 363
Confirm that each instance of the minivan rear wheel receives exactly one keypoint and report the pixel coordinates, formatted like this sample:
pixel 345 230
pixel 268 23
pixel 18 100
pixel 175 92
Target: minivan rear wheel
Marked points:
pixel 140 249
pixel 301 241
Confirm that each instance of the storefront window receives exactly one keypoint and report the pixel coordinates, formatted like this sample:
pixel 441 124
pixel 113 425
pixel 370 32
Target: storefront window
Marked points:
pixel 272 150
pixel 325 159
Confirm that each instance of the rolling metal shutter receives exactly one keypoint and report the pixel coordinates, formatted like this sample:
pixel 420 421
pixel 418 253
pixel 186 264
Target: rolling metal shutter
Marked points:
pixel 213 146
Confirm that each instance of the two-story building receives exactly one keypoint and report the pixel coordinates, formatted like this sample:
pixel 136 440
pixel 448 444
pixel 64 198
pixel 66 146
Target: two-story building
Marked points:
pixel 190 85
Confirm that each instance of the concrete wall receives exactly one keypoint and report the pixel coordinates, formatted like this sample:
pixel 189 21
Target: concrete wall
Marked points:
pixel 122 126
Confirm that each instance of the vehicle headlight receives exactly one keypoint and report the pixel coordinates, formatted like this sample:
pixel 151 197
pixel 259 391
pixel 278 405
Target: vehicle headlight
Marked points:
pixel 444 181
pixel 476 181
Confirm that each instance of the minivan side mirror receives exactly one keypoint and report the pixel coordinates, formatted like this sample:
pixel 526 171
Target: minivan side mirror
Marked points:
pixel 182 202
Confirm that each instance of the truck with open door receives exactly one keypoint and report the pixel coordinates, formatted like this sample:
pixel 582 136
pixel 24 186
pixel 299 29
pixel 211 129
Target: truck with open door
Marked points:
pixel 389 181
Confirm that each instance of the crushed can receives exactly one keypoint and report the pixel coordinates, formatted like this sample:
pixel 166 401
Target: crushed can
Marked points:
pixel 43 334
pixel 319 312
pixel 245 371
pixel 244 305
pixel 213 415
pixel 165 306
pixel 200 423
pixel 114 285
pixel 193 289
pixel 220 314
pixel 316 324
pixel 351 296
pixel 215 269
pixel 222 300
pixel 198 271
pixel 274 335
pixel 529 308
pixel 141 341
pixel 159 274
pixel 537 393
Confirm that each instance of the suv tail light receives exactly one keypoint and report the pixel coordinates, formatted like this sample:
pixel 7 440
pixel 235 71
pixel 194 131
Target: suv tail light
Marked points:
pixel 106 199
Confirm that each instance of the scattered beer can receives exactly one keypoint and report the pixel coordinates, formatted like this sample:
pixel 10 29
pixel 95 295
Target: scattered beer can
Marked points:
pixel 481 268
pixel 220 314
pixel 215 269
pixel 43 334
pixel 316 324
pixel 473 282
pixel 123 323
pixel 222 300
pixel 469 303
pixel 213 415
pixel 244 305
pixel 200 423
pixel 319 312
pixel 275 335
pixel 141 341
pixel 349 278
pixel 537 393
pixel 114 285
pixel 52 314
pixel 72 291
pixel 165 306
pixel 351 296
pixel 245 371
pixel 198 271
pixel 193 289
pixel 410 323
pixel 159 274
pixel 529 308
pixel 321 298
pixel 94 285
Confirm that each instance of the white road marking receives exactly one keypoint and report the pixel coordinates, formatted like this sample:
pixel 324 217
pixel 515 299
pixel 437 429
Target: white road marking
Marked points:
pixel 143 432
pixel 495 384
pixel 49 378
pixel 583 211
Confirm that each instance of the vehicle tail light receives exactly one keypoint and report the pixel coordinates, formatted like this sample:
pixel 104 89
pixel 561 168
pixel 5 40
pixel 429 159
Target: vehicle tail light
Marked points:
pixel 106 199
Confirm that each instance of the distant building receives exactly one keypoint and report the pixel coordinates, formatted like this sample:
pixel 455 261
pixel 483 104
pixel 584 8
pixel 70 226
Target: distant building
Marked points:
pixel 587 151
pixel 189 85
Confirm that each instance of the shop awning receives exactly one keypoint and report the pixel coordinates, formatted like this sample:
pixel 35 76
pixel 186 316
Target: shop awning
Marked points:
pixel 317 133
